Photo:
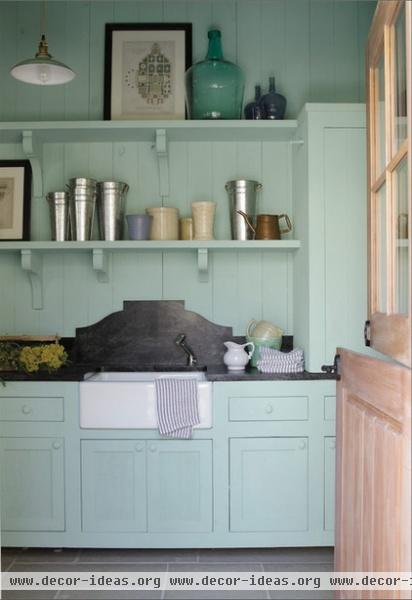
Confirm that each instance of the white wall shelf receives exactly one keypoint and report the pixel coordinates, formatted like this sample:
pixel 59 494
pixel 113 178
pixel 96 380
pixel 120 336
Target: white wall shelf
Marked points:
pixel 31 254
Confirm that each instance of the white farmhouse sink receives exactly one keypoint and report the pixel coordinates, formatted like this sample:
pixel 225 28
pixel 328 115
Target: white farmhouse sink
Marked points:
pixel 127 400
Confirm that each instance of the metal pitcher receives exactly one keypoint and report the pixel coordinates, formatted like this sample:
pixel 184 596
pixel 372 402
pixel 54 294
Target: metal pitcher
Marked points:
pixel 242 197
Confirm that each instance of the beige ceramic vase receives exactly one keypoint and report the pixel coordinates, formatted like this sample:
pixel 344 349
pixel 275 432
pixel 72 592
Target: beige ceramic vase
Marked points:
pixel 165 223
pixel 203 220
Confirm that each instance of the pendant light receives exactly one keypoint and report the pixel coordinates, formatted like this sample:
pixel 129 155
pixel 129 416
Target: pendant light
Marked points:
pixel 42 69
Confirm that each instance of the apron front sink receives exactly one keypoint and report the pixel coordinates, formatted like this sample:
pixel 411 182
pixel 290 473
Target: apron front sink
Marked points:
pixel 127 400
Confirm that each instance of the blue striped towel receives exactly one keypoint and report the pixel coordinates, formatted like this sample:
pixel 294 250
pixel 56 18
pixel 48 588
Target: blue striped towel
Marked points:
pixel 177 406
pixel 274 361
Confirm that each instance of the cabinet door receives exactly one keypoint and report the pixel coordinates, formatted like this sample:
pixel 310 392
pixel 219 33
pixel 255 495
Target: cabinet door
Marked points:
pixel 114 485
pixel 329 484
pixel 180 486
pixel 32 484
pixel 268 484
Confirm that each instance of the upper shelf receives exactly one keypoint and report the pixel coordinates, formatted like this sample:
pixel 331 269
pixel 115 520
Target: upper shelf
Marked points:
pixel 143 131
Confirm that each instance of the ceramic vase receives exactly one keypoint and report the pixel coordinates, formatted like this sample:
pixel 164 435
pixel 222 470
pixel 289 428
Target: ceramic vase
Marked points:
pixel 203 214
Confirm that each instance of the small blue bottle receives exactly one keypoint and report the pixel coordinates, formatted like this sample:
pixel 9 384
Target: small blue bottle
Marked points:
pixel 273 104
pixel 254 110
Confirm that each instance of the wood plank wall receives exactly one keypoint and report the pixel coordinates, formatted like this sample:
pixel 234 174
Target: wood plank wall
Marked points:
pixel 314 48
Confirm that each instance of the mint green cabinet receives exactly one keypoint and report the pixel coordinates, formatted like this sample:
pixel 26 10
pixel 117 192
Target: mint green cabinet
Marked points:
pixel 269 484
pixel 32 484
pixel 329 483
pixel 180 486
pixel 155 486
pixel 114 486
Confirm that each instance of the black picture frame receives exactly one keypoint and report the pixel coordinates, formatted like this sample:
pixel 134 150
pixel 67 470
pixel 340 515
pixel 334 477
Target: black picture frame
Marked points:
pixel 15 200
pixel 122 100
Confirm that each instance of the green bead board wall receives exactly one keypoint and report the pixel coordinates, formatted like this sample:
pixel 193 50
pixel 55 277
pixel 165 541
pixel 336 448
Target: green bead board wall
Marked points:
pixel 314 48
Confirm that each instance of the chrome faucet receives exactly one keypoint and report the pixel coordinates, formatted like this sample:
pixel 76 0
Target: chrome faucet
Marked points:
pixel 180 341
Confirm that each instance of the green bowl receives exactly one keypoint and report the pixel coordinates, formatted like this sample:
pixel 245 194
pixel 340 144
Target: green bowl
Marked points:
pixel 274 342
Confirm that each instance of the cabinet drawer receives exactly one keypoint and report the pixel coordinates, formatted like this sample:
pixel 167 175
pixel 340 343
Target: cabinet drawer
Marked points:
pixel 31 409
pixel 268 408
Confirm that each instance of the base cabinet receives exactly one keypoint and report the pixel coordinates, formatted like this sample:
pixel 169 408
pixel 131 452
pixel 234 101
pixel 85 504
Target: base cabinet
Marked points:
pixel 147 486
pixel 269 484
pixel 32 484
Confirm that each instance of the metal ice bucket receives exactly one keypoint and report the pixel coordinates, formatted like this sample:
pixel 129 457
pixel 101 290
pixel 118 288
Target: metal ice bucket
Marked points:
pixel 59 215
pixel 242 196
pixel 111 198
pixel 82 202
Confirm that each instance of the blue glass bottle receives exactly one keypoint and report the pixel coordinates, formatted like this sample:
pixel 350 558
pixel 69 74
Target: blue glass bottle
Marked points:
pixel 254 110
pixel 214 86
pixel 273 104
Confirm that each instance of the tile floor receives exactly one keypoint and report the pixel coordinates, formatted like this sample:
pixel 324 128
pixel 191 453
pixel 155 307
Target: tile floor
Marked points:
pixel 248 559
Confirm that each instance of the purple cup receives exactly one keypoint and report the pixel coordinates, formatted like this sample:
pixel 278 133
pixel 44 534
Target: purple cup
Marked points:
pixel 139 226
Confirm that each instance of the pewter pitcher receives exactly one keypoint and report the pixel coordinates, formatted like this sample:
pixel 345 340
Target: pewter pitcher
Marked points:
pixel 242 197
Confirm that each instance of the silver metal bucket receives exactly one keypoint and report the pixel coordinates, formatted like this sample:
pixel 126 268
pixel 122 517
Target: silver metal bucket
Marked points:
pixel 111 198
pixel 242 196
pixel 82 201
pixel 59 216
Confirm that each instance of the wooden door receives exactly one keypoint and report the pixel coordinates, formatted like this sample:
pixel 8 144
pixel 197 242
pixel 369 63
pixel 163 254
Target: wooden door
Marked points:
pixel 32 484
pixel 373 468
pixel 373 437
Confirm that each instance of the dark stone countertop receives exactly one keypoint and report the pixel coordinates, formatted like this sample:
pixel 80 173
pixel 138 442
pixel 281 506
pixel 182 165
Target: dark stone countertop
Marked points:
pixel 213 373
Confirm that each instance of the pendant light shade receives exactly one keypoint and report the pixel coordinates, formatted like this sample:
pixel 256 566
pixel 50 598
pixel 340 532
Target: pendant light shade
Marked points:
pixel 42 69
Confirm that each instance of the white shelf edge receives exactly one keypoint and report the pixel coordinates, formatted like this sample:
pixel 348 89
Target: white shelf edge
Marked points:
pixel 46 246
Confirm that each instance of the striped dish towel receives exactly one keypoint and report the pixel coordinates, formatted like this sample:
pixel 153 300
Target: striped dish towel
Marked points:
pixel 274 361
pixel 177 406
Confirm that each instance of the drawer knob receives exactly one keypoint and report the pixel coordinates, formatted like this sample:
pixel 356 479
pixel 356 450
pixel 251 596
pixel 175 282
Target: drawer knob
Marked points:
pixel 153 447
pixel 302 445
pixel 139 447
pixel 56 445
pixel 269 409
pixel 26 410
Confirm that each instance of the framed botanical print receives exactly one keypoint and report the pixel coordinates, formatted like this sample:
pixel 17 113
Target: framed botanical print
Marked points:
pixel 15 198
pixel 145 67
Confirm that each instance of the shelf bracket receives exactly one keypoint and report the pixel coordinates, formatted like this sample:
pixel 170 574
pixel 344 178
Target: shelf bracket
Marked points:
pixel 102 265
pixel 32 263
pixel 203 264
pixel 163 162
pixel 33 153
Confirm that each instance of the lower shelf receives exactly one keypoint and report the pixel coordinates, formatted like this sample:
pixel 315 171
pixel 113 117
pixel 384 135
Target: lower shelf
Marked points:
pixel 31 254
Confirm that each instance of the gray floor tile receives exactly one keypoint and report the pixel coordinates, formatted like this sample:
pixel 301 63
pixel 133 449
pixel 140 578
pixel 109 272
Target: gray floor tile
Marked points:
pixel 218 566
pixel 303 594
pixel 27 595
pixel 6 563
pixel 221 595
pixel 10 551
pixel 91 555
pixel 47 555
pixel 298 567
pixel 268 555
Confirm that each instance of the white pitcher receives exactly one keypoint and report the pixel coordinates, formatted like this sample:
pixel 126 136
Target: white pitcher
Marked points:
pixel 236 357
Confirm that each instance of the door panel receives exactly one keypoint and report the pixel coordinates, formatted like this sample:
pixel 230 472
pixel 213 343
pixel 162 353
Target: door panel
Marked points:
pixel 114 485
pixel 32 484
pixel 389 186
pixel 180 485
pixel 279 500
pixel 373 462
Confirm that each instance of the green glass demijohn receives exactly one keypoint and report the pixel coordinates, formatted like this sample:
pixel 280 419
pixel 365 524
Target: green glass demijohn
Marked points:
pixel 214 86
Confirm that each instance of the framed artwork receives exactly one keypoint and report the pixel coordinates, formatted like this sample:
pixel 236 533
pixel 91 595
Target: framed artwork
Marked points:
pixel 15 200
pixel 145 66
